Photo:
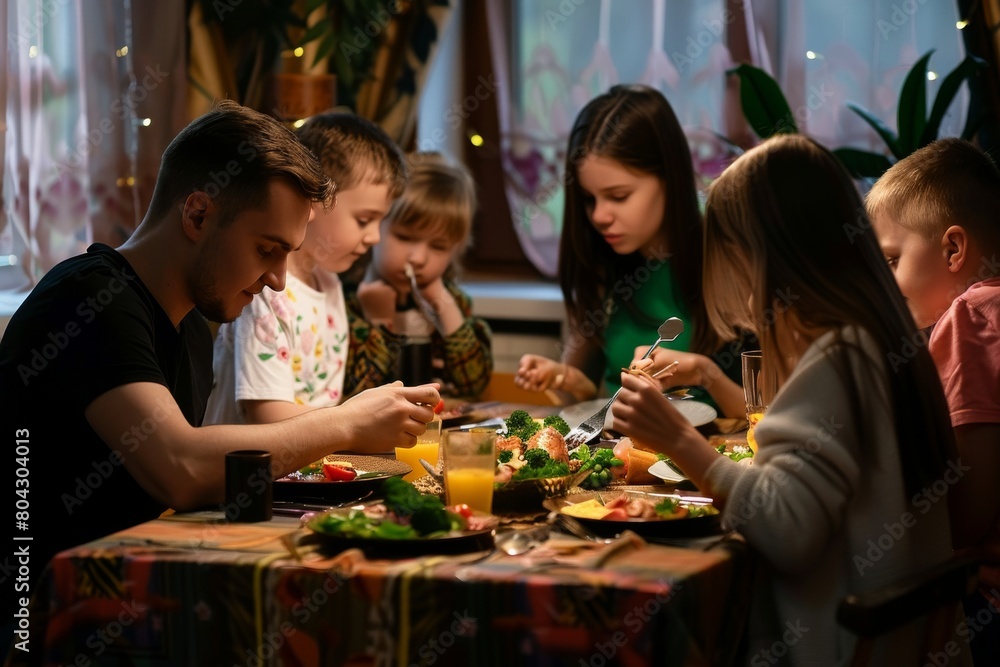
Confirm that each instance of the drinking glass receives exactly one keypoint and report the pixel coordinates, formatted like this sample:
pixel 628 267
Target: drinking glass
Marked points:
pixel 758 389
pixel 427 448
pixel 469 467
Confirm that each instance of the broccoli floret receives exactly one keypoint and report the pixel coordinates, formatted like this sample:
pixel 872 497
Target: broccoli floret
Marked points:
pixel 536 458
pixel 505 455
pixel 521 424
pixel 430 517
pixel 538 463
pixel 556 422
pixel 401 497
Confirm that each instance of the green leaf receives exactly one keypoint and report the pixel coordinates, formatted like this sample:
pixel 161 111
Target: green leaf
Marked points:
pixel 972 125
pixel 322 376
pixel 911 116
pixel 764 105
pixel 325 47
pixel 264 356
pixel 425 33
pixel 861 163
pixel 966 69
pixel 888 136
pixel 315 32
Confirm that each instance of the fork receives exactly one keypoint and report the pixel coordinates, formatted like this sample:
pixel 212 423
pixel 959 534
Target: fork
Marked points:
pixel 423 304
pixel 590 429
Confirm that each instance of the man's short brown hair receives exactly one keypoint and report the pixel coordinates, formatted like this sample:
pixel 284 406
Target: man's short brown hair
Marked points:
pixel 232 153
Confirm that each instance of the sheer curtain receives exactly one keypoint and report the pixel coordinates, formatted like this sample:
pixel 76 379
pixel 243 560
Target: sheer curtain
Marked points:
pixel 824 55
pixel 93 95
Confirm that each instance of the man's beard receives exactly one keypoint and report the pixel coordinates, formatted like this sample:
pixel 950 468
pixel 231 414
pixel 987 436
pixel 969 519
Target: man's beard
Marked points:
pixel 203 286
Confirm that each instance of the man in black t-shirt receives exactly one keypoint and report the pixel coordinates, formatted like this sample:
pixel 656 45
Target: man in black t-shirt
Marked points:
pixel 106 368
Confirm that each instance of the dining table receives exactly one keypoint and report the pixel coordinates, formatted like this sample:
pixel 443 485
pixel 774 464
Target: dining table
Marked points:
pixel 197 589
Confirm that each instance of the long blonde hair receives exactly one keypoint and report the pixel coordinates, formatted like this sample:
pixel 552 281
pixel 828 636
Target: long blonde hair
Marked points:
pixel 787 239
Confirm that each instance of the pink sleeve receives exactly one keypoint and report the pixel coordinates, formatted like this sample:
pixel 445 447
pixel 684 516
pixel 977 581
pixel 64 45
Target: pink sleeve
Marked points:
pixel 965 345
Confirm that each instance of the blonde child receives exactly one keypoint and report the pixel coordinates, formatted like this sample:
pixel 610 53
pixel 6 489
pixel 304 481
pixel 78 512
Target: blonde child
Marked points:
pixel 427 230
pixel 286 353
pixel 936 215
pixel 848 444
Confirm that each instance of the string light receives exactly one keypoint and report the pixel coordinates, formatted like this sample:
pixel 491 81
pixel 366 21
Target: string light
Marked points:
pixel 476 139
pixel 299 123
pixel 122 52
pixel 32 51
pixel 146 122
pixel 811 55
pixel 299 51
pixel 961 24
pixel 931 75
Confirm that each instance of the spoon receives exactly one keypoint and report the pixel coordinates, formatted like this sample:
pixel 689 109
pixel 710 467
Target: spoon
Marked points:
pixel 517 542
pixel 671 328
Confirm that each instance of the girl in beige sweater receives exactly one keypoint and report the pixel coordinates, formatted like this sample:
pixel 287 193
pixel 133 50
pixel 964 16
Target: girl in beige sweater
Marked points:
pixel 848 490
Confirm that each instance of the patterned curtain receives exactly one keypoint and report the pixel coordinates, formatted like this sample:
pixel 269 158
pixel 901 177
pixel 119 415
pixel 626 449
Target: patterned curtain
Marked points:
pixel 93 96
pixel 823 54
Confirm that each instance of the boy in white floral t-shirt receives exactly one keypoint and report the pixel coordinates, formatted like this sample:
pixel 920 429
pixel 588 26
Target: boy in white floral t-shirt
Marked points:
pixel 286 352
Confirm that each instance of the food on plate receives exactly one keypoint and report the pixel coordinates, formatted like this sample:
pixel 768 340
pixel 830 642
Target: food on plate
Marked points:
pixel 405 514
pixel 552 442
pixel 521 425
pixel 529 450
pixel 624 507
pixel 588 509
pixel 637 467
pixel 637 461
pixel 739 453
pixel 339 471
pixel 603 465
pixel 556 422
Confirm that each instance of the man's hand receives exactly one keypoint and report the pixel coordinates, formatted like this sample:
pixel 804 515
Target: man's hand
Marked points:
pixel 389 416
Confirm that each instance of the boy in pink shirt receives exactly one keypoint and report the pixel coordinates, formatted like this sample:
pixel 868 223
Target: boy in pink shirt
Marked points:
pixel 937 217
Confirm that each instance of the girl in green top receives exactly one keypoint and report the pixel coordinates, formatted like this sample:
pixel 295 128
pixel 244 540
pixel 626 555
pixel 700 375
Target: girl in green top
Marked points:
pixel 631 255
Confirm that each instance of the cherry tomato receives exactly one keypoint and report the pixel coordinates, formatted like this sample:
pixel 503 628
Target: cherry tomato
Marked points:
pixel 439 408
pixel 462 510
pixel 339 474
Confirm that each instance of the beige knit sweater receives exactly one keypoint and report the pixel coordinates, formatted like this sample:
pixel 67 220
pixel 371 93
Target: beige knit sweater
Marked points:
pixel 824 505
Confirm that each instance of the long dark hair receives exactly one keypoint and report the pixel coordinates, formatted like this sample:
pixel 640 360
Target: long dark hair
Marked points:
pixel 635 126
pixel 786 232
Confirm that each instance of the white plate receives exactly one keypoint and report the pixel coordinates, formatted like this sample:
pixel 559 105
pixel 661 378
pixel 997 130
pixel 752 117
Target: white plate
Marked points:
pixel 696 412
pixel 662 470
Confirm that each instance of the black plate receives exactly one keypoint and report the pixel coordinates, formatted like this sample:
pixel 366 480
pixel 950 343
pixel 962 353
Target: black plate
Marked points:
pixel 693 527
pixel 324 491
pixel 456 543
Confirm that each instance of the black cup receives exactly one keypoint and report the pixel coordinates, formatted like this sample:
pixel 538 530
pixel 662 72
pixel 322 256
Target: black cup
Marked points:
pixel 413 365
pixel 249 486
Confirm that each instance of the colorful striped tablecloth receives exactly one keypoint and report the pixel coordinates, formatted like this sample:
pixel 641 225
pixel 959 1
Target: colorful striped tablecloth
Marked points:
pixel 192 590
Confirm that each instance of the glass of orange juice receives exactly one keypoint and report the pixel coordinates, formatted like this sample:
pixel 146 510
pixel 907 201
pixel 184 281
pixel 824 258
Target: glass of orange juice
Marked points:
pixel 757 390
pixel 427 448
pixel 469 465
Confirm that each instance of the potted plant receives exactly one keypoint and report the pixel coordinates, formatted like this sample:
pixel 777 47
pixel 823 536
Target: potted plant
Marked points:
pixel 767 111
